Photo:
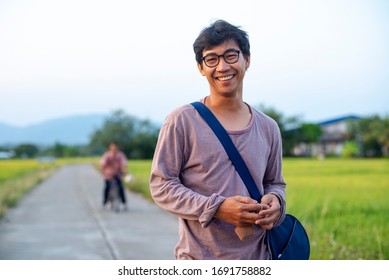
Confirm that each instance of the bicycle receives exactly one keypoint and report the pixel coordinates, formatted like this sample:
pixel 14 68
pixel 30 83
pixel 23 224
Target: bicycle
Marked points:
pixel 113 195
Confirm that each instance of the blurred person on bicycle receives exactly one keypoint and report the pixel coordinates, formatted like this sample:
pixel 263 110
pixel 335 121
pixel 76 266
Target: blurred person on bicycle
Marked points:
pixel 113 165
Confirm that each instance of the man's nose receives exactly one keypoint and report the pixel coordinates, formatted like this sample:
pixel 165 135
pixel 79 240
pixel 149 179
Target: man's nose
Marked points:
pixel 223 65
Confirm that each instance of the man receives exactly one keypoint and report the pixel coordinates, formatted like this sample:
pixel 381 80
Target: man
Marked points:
pixel 192 176
pixel 114 166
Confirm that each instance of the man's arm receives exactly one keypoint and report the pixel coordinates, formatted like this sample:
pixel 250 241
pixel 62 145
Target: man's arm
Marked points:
pixel 103 162
pixel 123 163
pixel 274 185
pixel 166 187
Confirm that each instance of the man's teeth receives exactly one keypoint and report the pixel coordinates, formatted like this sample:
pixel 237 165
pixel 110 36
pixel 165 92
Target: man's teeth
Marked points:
pixel 226 78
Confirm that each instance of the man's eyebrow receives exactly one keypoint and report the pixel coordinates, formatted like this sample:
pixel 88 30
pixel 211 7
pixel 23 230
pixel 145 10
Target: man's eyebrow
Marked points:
pixel 208 53
pixel 230 49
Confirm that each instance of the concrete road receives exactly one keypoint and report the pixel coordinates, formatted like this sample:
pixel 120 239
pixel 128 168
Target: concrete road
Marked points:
pixel 62 219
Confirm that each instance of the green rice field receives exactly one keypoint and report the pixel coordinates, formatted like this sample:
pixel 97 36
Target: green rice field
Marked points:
pixel 343 204
pixel 18 176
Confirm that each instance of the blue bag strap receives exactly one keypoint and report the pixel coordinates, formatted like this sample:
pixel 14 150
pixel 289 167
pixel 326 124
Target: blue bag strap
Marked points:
pixel 230 148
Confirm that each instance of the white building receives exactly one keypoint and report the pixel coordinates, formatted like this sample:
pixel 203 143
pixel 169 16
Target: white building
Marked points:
pixel 334 135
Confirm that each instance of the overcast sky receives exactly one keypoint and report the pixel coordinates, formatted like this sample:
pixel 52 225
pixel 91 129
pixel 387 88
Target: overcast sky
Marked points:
pixel 318 59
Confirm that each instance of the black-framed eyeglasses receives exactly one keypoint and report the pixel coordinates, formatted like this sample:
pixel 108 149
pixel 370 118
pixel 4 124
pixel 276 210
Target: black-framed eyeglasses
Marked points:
pixel 230 56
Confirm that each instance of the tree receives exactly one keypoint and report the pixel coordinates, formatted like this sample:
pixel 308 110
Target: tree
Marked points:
pixel 61 150
pixel 293 130
pixel 372 135
pixel 26 151
pixel 310 132
pixel 58 150
pixel 383 138
pixel 350 149
pixel 74 151
pixel 289 128
pixel 136 138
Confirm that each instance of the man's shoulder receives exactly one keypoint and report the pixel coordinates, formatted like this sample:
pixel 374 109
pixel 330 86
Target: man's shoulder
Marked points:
pixel 180 113
pixel 105 155
pixel 121 154
pixel 264 119
pixel 183 109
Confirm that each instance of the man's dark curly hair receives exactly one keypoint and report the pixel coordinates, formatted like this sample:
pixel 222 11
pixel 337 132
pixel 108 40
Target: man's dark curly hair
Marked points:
pixel 218 33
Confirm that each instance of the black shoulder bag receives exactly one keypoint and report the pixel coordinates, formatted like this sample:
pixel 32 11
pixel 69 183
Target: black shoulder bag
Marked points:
pixel 289 240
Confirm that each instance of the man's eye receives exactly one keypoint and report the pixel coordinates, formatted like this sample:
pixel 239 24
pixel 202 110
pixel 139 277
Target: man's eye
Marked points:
pixel 231 57
pixel 211 59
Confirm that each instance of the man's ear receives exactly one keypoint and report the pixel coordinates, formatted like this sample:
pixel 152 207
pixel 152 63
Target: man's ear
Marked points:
pixel 247 58
pixel 201 69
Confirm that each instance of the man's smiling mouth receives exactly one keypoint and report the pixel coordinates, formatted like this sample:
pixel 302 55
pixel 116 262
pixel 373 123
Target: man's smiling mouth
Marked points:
pixel 225 78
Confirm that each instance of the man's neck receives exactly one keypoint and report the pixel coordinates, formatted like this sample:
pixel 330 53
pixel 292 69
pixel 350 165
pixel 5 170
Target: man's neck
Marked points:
pixel 232 112
pixel 225 104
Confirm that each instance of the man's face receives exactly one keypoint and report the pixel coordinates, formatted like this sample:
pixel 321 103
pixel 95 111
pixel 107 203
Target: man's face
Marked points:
pixel 113 149
pixel 225 79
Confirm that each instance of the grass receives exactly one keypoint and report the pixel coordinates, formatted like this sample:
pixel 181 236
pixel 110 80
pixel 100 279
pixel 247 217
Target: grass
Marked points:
pixel 15 168
pixel 20 175
pixel 17 177
pixel 13 189
pixel 343 204
pixel 140 169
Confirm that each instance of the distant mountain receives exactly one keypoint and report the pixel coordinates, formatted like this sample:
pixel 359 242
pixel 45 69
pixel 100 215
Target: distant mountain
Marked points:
pixel 71 130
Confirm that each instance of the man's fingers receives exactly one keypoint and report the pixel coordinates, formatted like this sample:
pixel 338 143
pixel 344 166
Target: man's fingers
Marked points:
pixel 246 200
pixel 240 211
pixel 267 220
pixel 257 208
pixel 250 204
pixel 267 227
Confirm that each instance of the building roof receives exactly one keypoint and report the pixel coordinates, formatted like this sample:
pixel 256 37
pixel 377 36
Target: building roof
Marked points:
pixel 339 119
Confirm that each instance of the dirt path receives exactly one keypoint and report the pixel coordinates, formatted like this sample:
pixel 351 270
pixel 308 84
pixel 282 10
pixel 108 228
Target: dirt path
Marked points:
pixel 62 218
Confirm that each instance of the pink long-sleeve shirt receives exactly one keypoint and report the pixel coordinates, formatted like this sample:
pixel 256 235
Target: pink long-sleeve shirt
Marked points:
pixel 113 165
pixel 192 175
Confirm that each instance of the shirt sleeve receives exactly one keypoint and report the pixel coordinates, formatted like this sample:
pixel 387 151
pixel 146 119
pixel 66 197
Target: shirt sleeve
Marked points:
pixel 166 187
pixel 103 160
pixel 273 181
pixel 123 161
